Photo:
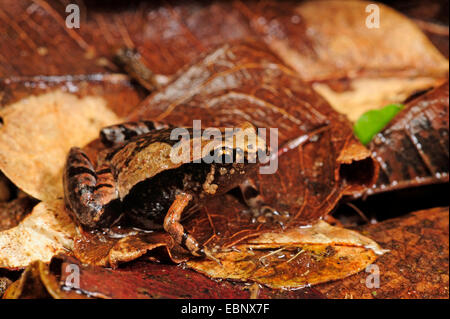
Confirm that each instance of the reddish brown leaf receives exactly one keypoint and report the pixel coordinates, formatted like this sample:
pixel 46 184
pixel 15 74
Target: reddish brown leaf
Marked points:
pixel 140 280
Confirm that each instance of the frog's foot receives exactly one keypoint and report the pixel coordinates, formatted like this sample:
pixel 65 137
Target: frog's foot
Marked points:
pixel 120 133
pixel 173 226
pixel 90 195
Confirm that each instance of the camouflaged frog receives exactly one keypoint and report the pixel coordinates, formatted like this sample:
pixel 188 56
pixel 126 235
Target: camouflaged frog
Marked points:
pixel 136 180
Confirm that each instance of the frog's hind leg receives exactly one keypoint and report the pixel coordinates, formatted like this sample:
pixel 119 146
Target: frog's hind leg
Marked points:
pixel 90 195
pixel 120 133
pixel 257 204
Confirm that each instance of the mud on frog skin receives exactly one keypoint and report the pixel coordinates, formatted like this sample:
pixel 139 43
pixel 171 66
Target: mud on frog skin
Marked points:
pixel 136 182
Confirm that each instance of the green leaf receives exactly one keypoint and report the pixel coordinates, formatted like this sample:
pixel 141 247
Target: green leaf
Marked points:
pixel 372 122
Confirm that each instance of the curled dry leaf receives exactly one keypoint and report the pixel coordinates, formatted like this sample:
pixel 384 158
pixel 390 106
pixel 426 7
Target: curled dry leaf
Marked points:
pixel 37 281
pixel 38 131
pixel 296 258
pixel 413 149
pixel 14 211
pixel 46 231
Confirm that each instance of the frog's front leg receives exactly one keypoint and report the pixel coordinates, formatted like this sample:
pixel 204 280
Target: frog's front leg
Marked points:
pixel 120 133
pixel 173 226
pixel 90 195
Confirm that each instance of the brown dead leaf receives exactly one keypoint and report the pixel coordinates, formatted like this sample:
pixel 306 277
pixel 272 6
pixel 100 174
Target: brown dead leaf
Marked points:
pixel 296 258
pixel 38 131
pixel 47 231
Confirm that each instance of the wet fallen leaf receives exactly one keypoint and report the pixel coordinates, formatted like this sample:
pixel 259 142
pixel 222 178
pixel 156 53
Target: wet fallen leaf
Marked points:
pixel 116 89
pixel 296 258
pixel 45 232
pixel 36 41
pixel 386 66
pixel 140 280
pixel 38 131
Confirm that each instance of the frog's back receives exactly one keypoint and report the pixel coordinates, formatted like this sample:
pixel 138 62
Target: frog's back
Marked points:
pixel 140 159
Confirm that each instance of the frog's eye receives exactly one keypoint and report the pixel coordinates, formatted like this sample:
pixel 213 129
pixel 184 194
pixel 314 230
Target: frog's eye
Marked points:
pixel 227 155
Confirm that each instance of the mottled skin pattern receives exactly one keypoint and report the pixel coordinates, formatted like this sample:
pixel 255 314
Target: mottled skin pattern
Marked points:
pixel 94 197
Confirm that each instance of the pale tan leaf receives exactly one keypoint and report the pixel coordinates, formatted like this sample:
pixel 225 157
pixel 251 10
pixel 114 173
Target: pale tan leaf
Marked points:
pixel 47 231
pixel 37 133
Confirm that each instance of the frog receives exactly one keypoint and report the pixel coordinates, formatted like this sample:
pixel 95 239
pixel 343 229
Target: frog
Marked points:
pixel 136 182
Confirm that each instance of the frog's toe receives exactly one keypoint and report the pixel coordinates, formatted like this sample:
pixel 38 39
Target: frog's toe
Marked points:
pixel 208 254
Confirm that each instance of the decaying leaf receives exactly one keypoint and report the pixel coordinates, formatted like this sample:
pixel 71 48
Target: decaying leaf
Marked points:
pixel 375 66
pixel 38 131
pixel 46 231
pixel 141 280
pixel 296 258
pixel 415 267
